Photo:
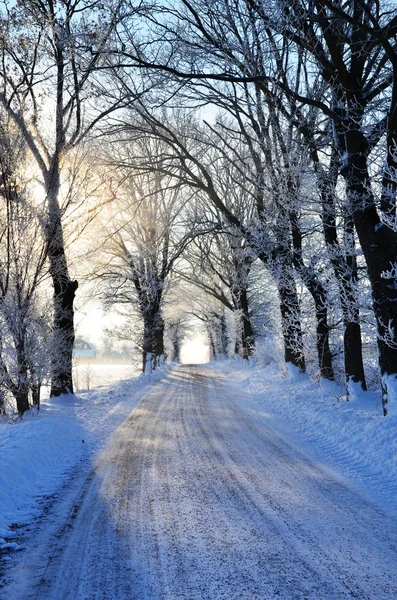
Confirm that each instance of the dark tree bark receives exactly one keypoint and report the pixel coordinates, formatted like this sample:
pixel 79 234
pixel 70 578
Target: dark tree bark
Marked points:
pixel 212 344
pixel 280 264
pixel 21 389
pixel 148 362
pixel 291 320
pixel 223 334
pixel 246 343
pixel 345 270
pixel 2 401
pixel 64 294
pixel 18 388
pixel 22 400
pixel 153 337
pixel 64 290
pixel 318 293
pixel 36 393
pixel 379 245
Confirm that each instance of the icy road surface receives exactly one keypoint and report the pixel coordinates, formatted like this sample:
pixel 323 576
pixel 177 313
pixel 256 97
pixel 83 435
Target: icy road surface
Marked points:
pixel 196 498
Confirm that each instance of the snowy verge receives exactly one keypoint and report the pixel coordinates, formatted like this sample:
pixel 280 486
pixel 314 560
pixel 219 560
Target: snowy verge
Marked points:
pixel 38 452
pixel 352 437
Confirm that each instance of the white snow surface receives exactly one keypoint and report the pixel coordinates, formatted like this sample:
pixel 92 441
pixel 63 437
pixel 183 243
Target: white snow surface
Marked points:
pixel 220 482
pixel 353 437
pixel 38 452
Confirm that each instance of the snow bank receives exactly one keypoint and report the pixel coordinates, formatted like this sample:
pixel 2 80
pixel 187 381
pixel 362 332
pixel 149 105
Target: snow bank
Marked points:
pixel 352 437
pixel 389 383
pixel 38 452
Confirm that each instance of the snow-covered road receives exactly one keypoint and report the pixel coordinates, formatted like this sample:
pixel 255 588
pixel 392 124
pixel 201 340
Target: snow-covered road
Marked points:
pixel 196 498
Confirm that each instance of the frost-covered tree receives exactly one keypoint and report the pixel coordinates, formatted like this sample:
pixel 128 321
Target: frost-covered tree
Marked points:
pixel 349 49
pixel 176 332
pixel 24 328
pixel 190 156
pixel 51 54
pixel 145 236
pixel 220 265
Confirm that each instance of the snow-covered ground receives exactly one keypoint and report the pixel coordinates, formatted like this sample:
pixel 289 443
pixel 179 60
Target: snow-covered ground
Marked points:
pixel 38 452
pixel 353 437
pixel 197 496
pixel 207 467
pixel 87 375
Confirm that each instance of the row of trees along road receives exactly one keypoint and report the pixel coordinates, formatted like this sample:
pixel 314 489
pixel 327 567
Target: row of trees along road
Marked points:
pixel 233 133
pixel 310 88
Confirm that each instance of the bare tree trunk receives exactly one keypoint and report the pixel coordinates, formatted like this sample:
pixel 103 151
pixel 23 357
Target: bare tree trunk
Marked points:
pixel 153 339
pixel 379 245
pixel 2 401
pixel 159 340
pixel 36 391
pixel 345 271
pixel 21 390
pixel 64 294
pixel 245 342
pixel 354 364
pixel 318 293
pixel 148 364
pixel 22 400
pixel 291 319
pixel 176 350
pixel 223 334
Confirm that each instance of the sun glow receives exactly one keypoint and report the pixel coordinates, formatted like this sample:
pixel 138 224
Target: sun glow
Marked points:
pixel 196 351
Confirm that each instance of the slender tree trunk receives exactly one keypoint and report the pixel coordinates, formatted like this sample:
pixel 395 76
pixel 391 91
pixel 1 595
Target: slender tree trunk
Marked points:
pixel 212 346
pixel 2 401
pixel 176 350
pixel 354 364
pixel 318 293
pixel 159 339
pixel 36 391
pixel 322 335
pixel 35 384
pixel 21 389
pixel 245 342
pixel 148 363
pixel 345 275
pixel 223 334
pixel 291 319
pixel 212 341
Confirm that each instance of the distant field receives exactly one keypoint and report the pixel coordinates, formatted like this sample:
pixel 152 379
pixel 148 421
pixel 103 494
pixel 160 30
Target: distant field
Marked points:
pixel 89 375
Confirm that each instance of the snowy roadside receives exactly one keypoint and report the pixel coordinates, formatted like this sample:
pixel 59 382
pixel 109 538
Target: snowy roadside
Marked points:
pixel 38 453
pixel 351 437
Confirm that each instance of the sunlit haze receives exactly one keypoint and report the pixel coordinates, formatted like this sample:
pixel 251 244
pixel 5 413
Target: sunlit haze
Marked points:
pixel 195 351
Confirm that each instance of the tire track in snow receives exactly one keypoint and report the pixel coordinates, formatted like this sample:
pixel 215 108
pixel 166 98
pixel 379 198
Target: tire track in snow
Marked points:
pixel 196 499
